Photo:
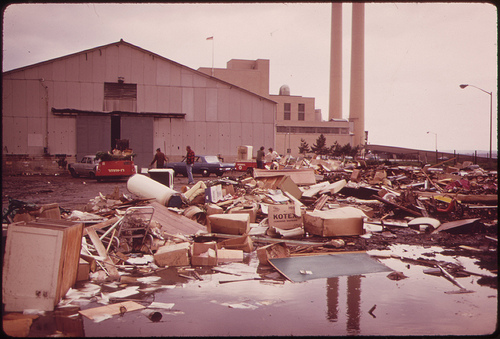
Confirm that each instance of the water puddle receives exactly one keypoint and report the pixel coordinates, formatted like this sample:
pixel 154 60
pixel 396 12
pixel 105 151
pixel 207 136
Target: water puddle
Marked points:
pixel 252 300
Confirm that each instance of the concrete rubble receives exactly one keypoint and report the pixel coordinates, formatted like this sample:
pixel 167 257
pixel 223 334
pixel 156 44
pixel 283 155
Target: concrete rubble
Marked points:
pixel 309 207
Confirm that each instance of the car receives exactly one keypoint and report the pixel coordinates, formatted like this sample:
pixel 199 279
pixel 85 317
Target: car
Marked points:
pixel 86 167
pixel 203 164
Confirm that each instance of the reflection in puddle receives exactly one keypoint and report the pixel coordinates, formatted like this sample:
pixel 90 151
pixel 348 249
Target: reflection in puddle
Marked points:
pixel 353 302
pixel 339 306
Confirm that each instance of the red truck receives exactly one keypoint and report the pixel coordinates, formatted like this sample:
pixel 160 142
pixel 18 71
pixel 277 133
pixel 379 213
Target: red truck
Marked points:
pixel 247 165
pixel 114 166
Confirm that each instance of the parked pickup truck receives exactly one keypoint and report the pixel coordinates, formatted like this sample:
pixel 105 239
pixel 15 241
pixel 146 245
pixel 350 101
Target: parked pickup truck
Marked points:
pixel 85 168
pixel 247 165
pixel 203 164
pixel 103 166
pixel 114 166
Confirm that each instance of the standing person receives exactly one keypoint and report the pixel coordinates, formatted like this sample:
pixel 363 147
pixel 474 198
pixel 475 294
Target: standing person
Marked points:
pixel 189 164
pixel 160 158
pixel 260 157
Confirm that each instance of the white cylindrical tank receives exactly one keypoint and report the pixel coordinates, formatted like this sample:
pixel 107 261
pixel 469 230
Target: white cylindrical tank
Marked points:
pixel 148 188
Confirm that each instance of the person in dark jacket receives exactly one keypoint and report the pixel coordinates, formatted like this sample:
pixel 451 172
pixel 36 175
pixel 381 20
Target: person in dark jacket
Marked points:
pixel 160 159
pixel 189 164
pixel 260 157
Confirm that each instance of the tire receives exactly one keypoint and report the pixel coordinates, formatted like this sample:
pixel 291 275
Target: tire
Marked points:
pixel 205 173
pixel 73 172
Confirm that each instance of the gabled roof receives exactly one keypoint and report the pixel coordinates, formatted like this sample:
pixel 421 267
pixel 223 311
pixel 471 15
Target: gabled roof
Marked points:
pixel 122 42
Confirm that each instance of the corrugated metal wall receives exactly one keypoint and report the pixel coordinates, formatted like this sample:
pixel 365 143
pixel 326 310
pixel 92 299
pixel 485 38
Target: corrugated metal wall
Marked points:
pixel 93 134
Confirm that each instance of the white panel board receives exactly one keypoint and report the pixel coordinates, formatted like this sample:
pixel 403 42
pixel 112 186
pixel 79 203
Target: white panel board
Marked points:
pixel 35 140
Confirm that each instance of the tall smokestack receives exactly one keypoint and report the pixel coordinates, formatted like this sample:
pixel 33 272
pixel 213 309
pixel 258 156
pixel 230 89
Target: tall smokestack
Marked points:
pixel 357 92
pixel 335 107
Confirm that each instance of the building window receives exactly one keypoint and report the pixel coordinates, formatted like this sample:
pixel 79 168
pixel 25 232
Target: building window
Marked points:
pixel 302 112
pixel 119 96
pixel 287 110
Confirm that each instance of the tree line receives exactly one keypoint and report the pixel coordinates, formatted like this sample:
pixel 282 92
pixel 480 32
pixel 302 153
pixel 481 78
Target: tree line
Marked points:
pixel 335 150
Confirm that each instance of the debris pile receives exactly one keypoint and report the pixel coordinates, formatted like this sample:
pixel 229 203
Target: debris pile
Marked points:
pixel 305 208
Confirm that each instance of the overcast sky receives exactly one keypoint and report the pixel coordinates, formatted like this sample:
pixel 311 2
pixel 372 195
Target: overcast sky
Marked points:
pixel 416 55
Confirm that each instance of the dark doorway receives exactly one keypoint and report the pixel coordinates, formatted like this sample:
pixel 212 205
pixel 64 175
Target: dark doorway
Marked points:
pixel 115 130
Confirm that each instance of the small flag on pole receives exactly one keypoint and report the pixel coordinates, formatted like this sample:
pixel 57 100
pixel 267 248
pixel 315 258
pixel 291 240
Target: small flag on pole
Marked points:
pixel 210 38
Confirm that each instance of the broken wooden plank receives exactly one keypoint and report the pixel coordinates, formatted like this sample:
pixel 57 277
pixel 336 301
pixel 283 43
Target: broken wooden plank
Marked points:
pixel 101 250
pixel 174 223
pixel 101 225
pixel 304 176
pixel 113 309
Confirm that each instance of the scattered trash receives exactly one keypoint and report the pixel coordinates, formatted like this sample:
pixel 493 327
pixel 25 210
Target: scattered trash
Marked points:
pixel 313 219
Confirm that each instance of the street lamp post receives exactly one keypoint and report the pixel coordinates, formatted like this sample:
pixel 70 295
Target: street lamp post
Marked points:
pixel 491 111
pixel 436 140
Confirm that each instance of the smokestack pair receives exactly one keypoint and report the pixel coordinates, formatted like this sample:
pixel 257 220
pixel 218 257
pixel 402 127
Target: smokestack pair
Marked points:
pixel 357 91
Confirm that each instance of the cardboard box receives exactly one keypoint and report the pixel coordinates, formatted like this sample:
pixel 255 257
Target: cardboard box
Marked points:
pixel 214 209
pixel 288 185
pixel 204 254
pixel 344 221
pixel 83 270
pixel 225 256
pixel 173 255
pixel 236 223
pixel 278 250
pixel 356 175
pixel 250 210
pixel 284 217
pixel 243 243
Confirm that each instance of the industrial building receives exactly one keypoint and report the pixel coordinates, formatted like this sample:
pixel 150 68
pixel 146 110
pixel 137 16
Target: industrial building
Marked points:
pixel 296 116
pixel 59 110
